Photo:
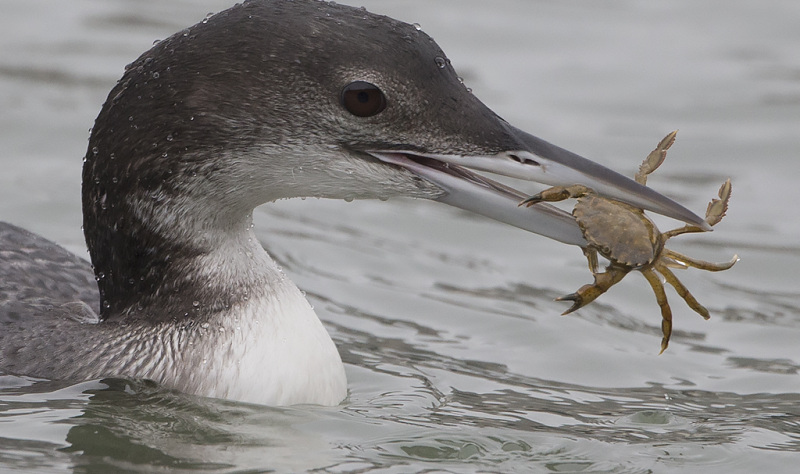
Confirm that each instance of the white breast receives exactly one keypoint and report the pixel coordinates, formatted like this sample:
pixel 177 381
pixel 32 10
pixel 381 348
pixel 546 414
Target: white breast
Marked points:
pixel 272 351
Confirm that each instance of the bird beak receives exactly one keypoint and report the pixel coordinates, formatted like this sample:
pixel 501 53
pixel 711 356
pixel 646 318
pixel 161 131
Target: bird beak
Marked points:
pixel 535 160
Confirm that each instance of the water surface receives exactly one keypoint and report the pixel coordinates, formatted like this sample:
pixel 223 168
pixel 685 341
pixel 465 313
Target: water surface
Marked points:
pixel 456 354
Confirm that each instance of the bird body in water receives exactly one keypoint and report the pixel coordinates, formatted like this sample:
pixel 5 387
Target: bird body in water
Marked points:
pixel 264 101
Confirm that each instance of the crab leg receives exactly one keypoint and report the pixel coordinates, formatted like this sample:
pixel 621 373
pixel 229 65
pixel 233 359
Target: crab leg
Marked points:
pixel 655 158
pixel 681 230
pixel 682 291
pixel 718 207
pixel 591 256
pixel 666 311
pixel 714 213
pixel 697 263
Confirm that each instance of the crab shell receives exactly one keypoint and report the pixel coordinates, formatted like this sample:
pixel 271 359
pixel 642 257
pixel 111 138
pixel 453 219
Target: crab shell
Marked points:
pixel 616 231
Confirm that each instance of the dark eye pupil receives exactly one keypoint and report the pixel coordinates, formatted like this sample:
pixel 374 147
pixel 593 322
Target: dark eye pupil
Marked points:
pixel 363 99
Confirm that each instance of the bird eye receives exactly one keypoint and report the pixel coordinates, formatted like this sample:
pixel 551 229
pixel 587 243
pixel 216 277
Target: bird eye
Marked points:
pixel 363 99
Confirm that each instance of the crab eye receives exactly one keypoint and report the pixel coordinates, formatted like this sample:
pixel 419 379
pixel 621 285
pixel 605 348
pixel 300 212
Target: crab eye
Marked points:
pixel 363 99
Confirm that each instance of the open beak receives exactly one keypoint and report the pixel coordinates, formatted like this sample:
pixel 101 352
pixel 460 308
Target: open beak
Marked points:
pixel 539 161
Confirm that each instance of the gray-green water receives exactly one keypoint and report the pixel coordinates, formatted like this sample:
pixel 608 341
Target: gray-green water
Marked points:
pixel 457 357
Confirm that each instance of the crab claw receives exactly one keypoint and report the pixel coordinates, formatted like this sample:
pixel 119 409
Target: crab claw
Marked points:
pixel 585 295
pixel 536 198
pixel 577 300
pixel 589 292
pixel 557 193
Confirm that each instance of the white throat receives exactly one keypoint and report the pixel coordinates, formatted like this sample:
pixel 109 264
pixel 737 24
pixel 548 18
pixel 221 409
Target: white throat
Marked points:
pixel 272 349
pixel 269 348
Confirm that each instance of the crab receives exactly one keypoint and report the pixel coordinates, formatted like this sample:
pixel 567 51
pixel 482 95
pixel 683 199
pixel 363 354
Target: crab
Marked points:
pixel 625 236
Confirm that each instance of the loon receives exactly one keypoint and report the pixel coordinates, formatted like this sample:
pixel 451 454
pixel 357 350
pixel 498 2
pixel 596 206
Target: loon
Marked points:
pixel 268 100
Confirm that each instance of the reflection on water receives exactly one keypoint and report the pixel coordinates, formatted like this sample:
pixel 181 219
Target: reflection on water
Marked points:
pixel 456 354
pixel 524 424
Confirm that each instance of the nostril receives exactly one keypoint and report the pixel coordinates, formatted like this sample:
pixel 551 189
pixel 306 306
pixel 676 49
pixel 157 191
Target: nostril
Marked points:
pixel 523 160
